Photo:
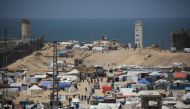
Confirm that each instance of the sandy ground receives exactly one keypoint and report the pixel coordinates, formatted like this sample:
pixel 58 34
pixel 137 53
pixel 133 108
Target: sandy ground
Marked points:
pixel 138 57
pixel 38 63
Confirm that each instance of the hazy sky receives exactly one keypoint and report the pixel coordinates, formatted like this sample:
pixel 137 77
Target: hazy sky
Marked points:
pixel 94 8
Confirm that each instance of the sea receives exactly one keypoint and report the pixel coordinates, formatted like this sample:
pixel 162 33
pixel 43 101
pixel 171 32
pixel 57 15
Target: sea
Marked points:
pixel 155 30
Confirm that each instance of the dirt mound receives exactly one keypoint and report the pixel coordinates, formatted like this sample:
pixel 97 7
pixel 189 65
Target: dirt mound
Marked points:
pixel 146 57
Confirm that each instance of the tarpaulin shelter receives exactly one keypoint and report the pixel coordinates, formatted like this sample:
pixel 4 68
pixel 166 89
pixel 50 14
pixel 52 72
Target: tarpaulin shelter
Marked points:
pixel 34 90
pixel 63 85
pixel 178 81
pixel 106 88
pixel 186 96
pixel 155 73
pixel 47 84
pixel 144 81
pixel 180 75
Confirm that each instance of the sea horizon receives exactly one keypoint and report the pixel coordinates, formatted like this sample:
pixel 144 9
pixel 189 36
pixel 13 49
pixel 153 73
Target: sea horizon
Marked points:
pixel 155 30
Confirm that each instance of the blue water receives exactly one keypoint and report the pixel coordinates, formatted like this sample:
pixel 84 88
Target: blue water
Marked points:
pixel 155 31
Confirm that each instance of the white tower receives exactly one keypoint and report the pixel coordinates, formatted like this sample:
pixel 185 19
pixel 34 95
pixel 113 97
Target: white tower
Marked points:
pixel 25 29
pixel 139 34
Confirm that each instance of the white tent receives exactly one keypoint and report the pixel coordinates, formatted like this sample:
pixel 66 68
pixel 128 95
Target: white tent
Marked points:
pixel 66 43
pixel 155 73
pixel 178 81
pixel 181 105
pixel 76 47
pixel 186 96
pixel 97 49
pixel 35 90
pixel 73 72
pixel 85 48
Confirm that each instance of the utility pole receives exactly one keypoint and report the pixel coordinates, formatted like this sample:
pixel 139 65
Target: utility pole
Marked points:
pixel 55 96
pixel 4 73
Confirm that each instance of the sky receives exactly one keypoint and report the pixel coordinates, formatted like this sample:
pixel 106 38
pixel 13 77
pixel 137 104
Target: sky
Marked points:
pixel 74 9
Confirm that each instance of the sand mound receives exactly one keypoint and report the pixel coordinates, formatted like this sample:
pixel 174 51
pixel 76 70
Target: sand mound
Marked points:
pixel 146 57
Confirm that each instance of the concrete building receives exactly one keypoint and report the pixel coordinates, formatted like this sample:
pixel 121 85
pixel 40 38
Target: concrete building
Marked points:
pixel 139 34
pixel 25 29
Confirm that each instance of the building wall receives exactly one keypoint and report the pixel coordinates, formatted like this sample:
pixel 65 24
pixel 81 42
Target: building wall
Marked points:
pixel 139 34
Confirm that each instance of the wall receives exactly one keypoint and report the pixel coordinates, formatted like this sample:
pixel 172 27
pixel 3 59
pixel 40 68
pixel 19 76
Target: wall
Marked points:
pixel 19 51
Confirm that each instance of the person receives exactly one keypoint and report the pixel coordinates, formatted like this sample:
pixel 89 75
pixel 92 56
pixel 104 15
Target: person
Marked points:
pixel 135 47
pixel 81 97
pixel 88 100
pixel 85 97
pixel 86 89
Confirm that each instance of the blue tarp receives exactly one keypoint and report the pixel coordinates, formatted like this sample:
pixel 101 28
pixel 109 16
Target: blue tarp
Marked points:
pixel 63 85
pixel 46 83
pixel 144 81
pixel 62 53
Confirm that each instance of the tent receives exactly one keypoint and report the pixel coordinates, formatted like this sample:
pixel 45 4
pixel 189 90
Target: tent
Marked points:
pixel 161 81
pixel 63 85
pixel 181 105
pixel 97 49
pixel 73 72
pixel 35 90
pixel 180 75
pixel 178 81
pixel 186 96
pixel 85 48
pixel 155 73
pixel 144 81
pixel 47 84
pixel 106 88
pixel 59 64
pixel 11 92
pixel 76 47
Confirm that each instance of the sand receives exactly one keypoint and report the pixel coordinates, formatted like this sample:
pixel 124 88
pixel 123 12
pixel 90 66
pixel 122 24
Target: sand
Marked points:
pixel 146 57
pixel 138 57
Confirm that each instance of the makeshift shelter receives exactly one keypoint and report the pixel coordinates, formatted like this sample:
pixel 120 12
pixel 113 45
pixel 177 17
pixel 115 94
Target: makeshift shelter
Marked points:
pixel 35 90
pixel 46 84
pixel 178 81
pixel 85 48
pixel 180 75
pixel 63 85
pixel 59 64
pixel 181 105
pixel 11 92
pixel 186 96
pixel 144 81
pixel 106 88
pixel 62 53
pixel 139 86
pixel 76 47
pixel 155 73
pixel 73 72
pixel 17 85
pixel 97 49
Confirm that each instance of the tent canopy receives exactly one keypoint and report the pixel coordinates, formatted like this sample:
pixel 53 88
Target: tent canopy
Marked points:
pixel 35 87
pixel 144 81
pixel 106 88
pixel 180 75
pixel 155 73
pixel 63 85
pixel 47 84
